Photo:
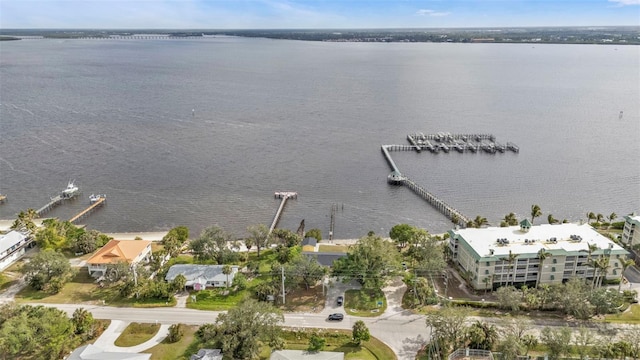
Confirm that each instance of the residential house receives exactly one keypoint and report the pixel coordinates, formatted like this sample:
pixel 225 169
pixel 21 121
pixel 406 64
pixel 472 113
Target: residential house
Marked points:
pixel 200 277
pixel 12 246
pixel 482 254
pixel 116 251
pixel 305 355
pixel 325 258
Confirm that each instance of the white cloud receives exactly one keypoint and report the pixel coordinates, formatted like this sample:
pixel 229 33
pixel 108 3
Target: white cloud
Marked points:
pixel 625 2
pixel 429 12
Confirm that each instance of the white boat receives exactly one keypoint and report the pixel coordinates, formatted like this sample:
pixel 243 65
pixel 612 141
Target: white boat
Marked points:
pixel 94 198
pixel 70 191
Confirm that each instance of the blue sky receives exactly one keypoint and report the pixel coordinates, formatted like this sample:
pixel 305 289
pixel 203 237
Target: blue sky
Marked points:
pixel 291 14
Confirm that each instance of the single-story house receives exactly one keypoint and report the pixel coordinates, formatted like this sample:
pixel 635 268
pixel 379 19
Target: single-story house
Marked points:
pixel 305 355
pixel 92 352
pixel 115 251
pixel 207 354
pixel 325 258
pixel 12 246
pixel 309 244
pixel 200 277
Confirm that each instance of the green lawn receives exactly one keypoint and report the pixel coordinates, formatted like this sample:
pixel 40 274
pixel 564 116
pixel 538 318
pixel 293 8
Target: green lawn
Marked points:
pixel 215 300
pixel 333 248
pixel 6 280
pixel 177 350
pixel 631 316
pixel 364 302
pixel 136 334
pixel 82 289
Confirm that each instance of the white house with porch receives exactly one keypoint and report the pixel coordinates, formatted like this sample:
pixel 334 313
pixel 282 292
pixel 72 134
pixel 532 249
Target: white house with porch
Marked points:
pixel 200 277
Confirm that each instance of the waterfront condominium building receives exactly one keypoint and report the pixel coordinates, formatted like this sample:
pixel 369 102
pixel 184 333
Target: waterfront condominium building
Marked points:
pixel 482 255
pixel 631 232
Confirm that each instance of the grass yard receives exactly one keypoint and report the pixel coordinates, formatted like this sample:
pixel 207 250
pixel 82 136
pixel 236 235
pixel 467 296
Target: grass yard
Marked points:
pixel 364 302
pixel 215 299
pixel 177 350
pixel 7 279
pixel 136 334
pixel 305 300
pixel 82 289
pixel 630 316
pixel 333 248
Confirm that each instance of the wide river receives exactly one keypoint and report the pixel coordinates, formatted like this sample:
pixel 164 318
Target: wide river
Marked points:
pixel 202 132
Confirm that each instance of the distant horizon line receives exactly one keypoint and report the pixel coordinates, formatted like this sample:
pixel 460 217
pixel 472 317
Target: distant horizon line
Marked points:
pixel 332 28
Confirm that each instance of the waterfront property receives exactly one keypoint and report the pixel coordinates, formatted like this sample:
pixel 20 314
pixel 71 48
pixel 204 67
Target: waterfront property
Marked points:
pixel 200 277
pixel 325 258
pixel 630 236
pixel 115 251
pixel 12 246
pixel 496 256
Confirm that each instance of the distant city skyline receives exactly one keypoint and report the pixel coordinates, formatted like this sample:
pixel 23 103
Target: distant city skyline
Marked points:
pixel 320 14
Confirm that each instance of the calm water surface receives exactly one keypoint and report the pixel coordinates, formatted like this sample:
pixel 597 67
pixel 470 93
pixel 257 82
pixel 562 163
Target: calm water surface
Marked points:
pixel 116 116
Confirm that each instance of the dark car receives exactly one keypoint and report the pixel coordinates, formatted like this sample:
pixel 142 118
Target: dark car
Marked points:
pixel 340 300
pixel 336 317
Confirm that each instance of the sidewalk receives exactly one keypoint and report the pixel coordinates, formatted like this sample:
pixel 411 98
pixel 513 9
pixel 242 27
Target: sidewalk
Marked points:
pixel 107 340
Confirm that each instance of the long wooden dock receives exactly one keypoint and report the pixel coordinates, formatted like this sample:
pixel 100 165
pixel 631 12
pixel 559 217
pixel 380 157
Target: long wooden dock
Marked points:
pixel 444 142
pixel 86 211
pixel 284 195
pixel 55 201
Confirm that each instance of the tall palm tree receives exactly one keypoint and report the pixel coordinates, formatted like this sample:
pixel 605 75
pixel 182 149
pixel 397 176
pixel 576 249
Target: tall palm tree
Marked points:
pixel 602 266
pixel 590 216
pixel 487 282
pixel 542 255
pixel 510 219
pixel 510 259
pixel 625 263
pixel 535 212
pixel 600 218
pixel 227 271
pixel 551 219
pixel 455 218
pixel 612 217
pixel 590 262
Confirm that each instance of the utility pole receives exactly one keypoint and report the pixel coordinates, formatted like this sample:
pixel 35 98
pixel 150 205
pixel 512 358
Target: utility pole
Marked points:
pixel 135 279
pixel 283 299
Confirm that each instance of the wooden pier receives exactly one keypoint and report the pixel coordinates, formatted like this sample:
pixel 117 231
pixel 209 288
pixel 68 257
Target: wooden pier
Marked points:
pixel 55 201
pixel 284 195
pixel 101 200
pixel 444 142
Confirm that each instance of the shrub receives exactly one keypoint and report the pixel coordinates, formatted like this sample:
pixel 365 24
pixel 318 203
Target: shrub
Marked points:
pixel 176 331
pixel 316 343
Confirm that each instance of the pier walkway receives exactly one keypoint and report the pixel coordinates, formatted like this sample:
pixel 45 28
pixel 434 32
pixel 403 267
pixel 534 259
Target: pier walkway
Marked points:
pixel 55 201
pixel 284 195
pixel 86 211
pixel 442 142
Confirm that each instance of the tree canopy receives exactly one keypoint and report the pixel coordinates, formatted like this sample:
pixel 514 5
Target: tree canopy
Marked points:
pixel 47 270
pixel 213 245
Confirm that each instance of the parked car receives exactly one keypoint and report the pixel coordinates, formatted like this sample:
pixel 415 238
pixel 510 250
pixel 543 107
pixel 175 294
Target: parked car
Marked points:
pixel 340 300
pixel 336 317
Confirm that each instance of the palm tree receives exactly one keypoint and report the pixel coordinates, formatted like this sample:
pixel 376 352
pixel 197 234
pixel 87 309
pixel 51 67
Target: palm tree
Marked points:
pixel 510 219
pixel 510 259
pixel 486 281
pixel 612 217
pixel 227 271
pixel 455 218
pixel 542 255
pixel 625 263
pixel 600 218
pixel 551 219
pixel 590 216
pixel 602 265
pixel 535 212
pixel 590 250
pixel 479 221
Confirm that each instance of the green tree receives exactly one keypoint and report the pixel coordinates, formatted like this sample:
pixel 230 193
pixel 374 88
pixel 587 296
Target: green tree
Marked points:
pixel 286 237
pixel 88 242
pixel 447 329
pixel 240 282
pixel 175 239
pixel 360 332
pixel 307 270
pixel 370 261
pixel 24 221
pixel 612 217
pixel 509 298
pixel 402 234
pixel 511 258
pixel 260 235
pixel 573 298
pixel 316 343
pixel 213 245
pixel 557 341
pixel 551 219
pixel 179 282
pixel 176 332
pixel 227 270
pixel 479 222
pixel 240 330
pixel 510 348
pixel 535 212
pixel 481 335
pixel 509 220
pixel 590 216
pixel 47 271
pixel 542 256
pixel 625 263
pixel 582 341
pixel 419 292
pixel 314 233
pixel 82 321
pixel 427 253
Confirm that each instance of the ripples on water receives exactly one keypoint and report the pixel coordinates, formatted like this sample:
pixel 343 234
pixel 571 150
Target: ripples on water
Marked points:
pixel 117 117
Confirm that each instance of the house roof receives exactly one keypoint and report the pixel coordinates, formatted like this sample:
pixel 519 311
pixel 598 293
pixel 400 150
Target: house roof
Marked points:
pixel 119 250
pixel 309 241
pixel 10 239
pixel 200 273
pixel 325 258
pixel 92 352
pixel 305 355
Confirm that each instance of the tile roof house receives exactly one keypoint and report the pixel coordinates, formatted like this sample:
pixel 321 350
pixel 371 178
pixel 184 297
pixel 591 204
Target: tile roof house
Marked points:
pixel 199 277
pixel 115 251
pixel 305 355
